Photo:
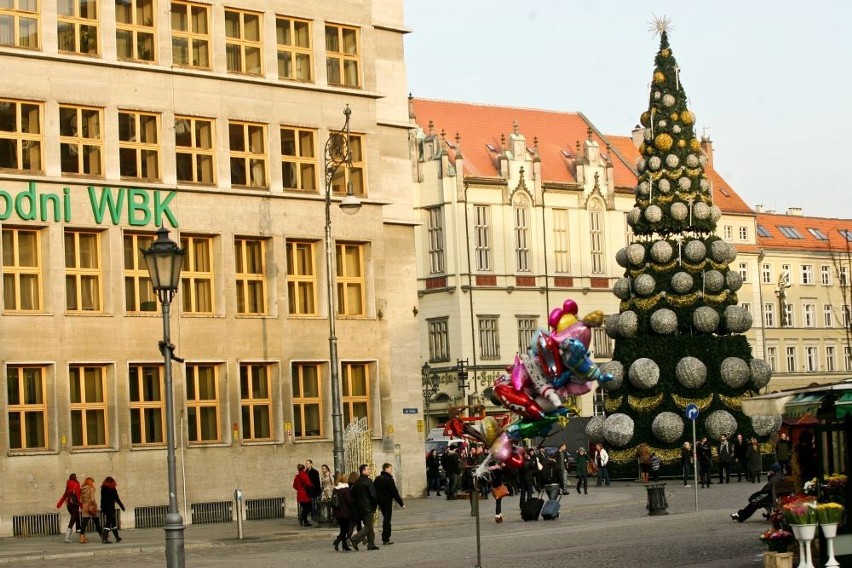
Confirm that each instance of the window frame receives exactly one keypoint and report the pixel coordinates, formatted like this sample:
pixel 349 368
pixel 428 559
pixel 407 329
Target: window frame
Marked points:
pixel 355 172
pixel 561 242
pixel 29 139
pixel 809 314
pixel 251 402
pixel 134 28
pixel 339 58
pixel 743 270
pixel 439 339
pixel 482 237
pixel 344 281
pixel 247 155
pixel 830 358
pixel 78 22
pixel 16 271
pixel 300 161
pixel 597 238
pixel 772 358
pixel 297 282
pixel 138 273
pixel 488 327
pixel 190 35
pixel 196 152
pixel 807 274
pixel 827 315
pixel 80 143
pixel 142 150
pixel 769 314
pixel 23 408
pixel 297 378
pixel 85 407
pixel 526 326
pixel 521 230
pixel 83 274
pixel 198 404
pixel 143 406
pixel 348 399
pixel 435 239
pixel 766 273
pixel 811 358
pixel 246 280
pixel 292 51
pixel 743 233
pixel 17 14
pixel 244 44
pixel 191 277
pixel 790 352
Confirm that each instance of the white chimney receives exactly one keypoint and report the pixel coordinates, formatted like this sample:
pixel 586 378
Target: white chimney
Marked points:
pixel 794 211
pixel 638 135
pixel 758 208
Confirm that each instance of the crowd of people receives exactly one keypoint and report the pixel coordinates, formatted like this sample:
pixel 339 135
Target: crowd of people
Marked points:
pixel 81 502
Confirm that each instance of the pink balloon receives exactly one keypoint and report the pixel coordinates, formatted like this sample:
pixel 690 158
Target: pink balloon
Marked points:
pixel 501 449
pixel 579 331
pixel 570 306
pixel 553 318
pixel 520 376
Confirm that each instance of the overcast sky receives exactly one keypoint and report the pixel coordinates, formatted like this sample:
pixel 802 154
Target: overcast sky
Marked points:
pixel 770 81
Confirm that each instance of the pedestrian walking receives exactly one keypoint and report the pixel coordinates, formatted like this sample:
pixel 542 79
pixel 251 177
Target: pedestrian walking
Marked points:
pixel 386 494
pixel 326 488
pixel 686 462
pixel 355 521
pixel 341 508
pixel 89 509
pixel 498 490
pixel 726 455
pixel 433 473
pixel 705 461
pixel 71 498
pixel 364 499
pixel 583 471
pixel 109 499
pixel 655 467
pixel 602 461
pixel 740 448
pixel 526 478
pixel 643 454
pixel 315 490
pixel 562 465
pixel 451 461
pixel 754 459
pixel 302 484
pixel 783 452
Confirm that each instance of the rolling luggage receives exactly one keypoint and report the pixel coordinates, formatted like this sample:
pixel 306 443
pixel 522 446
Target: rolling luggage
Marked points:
pixel 532 509
pixel 550 510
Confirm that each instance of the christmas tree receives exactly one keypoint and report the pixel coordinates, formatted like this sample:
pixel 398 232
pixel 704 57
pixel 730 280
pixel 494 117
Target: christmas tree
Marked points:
pixel 679 331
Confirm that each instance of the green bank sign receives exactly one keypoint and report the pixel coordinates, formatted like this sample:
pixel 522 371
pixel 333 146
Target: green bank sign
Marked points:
pixel 135 207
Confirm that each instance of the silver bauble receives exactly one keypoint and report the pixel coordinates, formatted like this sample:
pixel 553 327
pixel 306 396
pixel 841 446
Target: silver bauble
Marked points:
pixel 678 211
pixel 684 183
pixel 621 288
pixel 691 372
pixel 644 373
pixel 636 254
pixel 648 134
pixel 611 325
pixel 644 284
pixel 668 100
pixel 616 369
pixel 664 321
pixel 594 429
pixel 654 163
pixel 657 95
pixel 695 251
pixel 705 319
pixel 719 423
pixel 628 324
pixel 667 427
pixel 618 429
pixel 702 160
pixel 761 372
pixel 766 425
pixel 700 210
pixel 641 165
pixel 719 250
pixel 738 319
pixel 664 185
pixel 691 160
pixel 682 282
pixel 732 254
pixel 676 129
pixel 715 213
pixel 661 252
pixel 704 184
pixel 621 257
pixel 643 188
pixel 713 281
pixel 653 214
pixel 672 161
pixel 633 216
pixel 734 372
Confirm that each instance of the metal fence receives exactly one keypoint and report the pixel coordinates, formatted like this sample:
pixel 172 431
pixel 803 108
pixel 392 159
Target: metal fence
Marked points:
pixel 268 508
pixel 214 512
pixel 43 524
pixel 150 517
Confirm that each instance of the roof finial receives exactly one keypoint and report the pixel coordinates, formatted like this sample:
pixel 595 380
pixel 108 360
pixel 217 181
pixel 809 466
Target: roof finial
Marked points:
pixel 589 133
pixel 443 134
pixel 431 127
pixel 502 140
pixel 515 127
pixel 535 142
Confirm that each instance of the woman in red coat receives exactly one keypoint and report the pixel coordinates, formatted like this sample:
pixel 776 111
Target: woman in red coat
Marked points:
pixel 71 498
pixel 303 486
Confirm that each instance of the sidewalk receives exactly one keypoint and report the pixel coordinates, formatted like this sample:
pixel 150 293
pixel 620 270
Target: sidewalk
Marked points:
pixel 622 499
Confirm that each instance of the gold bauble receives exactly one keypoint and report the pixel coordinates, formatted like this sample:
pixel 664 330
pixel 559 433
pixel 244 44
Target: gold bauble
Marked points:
pixel 645 119
pixel 642 148
pixel 663 141
pixel 659 78
pixel 687 117
pixel 681 143
pixel 674 116
pixel 665 52
pixel 695 145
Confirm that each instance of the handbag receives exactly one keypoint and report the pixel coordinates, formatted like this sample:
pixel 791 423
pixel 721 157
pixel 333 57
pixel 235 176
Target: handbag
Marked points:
pixel 591 468
pixel 500 491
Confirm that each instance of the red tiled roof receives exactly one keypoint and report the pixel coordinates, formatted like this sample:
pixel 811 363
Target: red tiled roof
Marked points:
pixel 771 223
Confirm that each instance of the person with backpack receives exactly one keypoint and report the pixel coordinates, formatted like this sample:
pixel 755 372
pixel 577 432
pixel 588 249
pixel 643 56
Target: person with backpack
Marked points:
pixel 341 508
pixel 71 497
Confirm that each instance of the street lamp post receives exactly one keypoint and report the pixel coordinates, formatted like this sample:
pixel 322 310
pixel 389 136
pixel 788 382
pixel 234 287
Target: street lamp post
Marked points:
pixel 165 260
pixel 431 383
pixel 338 152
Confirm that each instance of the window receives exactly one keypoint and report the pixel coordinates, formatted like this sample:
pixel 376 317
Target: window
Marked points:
pixel 21 270
pixel 846 234
pixel 743 233
pixel 294 49
pixel 843 275
pixel 601 342
pixel 248 154
pixel 82 271
pixel 138 292
pixel 195 152
pixel 196 278
pixel 352 176
pixel 521 213
pixel 19 23
pixel 88 406
pixel 351 299
pixel 307 401
pixel 81 140
pixel 597 237
pixel 728 232
pixel 825 275
pixel 846 318
pixel 489 338
pixel 256 401
pixel 435 230
pixel 250 261
pixel 202 403
pixel 811 359
pixel 827 318
pixel 342 57
pixel 356 392
pixel 21 135
pixel 809 315
pixel 298 159
pixel 439 340
pixel 527 326
pixel 560 241
pixel 27 406
pixel 807 274
pixel 191 35
pixel 761 230
pixel 829 358
pixel 77 27
pixel 147 405
pixel 766 274
pixel 790 232
pixel 817 234
pixel 243 43
pixel 791 359
pixel 482 236
pixel 769 314
pixel 788 315
pixel 847 357
pixel 135 29
pixel 301 278
pixel 139 145
pixel 772 358
pixel 746 306
pixel 744 271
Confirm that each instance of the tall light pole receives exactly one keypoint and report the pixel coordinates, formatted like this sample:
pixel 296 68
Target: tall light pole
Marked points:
pixel 165 260
pixel 431 383
pixel 338 153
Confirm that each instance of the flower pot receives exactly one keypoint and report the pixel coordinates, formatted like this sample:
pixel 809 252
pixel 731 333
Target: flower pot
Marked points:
pixel 805 532
pixel 829 531
pixel 804 536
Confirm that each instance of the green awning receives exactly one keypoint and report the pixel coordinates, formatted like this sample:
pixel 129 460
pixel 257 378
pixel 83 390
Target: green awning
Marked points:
pixel 805 403
pixel 843 405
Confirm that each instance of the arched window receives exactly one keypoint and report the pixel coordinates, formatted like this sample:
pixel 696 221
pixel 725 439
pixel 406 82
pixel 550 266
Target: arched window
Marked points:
pixel 521 212
pixel 597 236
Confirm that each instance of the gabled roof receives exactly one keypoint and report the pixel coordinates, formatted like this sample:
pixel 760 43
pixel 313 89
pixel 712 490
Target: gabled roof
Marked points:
pixel 558 133
pixel 779 231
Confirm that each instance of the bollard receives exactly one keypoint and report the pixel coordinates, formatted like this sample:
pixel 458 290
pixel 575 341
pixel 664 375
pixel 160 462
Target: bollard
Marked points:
pixel 238 497
pixel 657 503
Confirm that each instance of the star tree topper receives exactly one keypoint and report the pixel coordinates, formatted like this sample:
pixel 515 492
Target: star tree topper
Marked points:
pixel 660 25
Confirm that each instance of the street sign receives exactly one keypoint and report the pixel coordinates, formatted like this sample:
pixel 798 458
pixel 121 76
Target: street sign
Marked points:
pixel 691 412
pixel 409 411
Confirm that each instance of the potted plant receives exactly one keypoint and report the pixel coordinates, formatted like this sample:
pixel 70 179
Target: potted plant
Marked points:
pixel 830 515
pixel 777 540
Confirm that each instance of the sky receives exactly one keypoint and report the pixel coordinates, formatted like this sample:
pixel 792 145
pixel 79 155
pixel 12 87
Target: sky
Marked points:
pixel 769 81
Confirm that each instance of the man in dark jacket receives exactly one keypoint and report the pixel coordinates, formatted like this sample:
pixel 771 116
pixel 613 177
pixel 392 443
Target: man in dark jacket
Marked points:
pixel 705 461
pixel 452 467
pixel 726 453
pixel 740 447
pixel 315 490
pixel 365 500
pixel 386 494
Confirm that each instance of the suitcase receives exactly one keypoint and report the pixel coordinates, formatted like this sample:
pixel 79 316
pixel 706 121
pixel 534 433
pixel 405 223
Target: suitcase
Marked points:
pixel 550 510
pixel 532 509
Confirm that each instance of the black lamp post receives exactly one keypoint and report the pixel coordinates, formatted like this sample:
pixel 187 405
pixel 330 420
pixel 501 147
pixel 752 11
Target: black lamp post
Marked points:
pixel 338 152
pixel 431 384
pixel 165 260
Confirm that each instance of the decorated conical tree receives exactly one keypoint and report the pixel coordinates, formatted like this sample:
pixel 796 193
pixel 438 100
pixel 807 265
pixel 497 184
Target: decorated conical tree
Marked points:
pixel 679 331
